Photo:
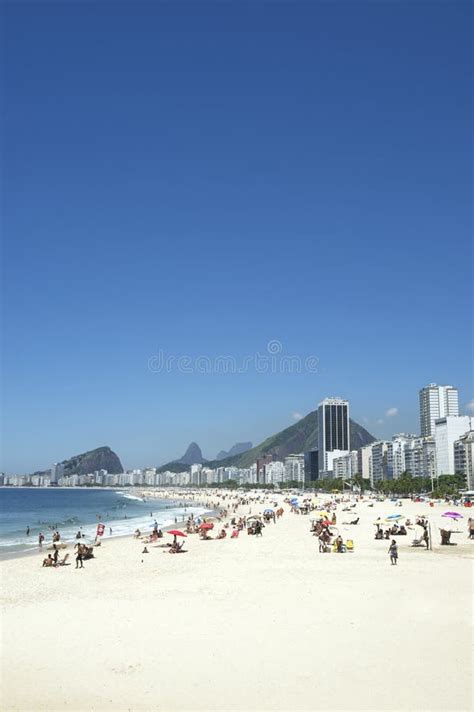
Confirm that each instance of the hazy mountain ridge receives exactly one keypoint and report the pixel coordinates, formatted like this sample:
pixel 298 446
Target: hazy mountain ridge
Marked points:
pixel 299 437
pixel 237 449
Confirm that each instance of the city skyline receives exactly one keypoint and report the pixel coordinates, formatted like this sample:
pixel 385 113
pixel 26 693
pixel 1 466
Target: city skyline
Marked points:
pixel 245 177
pixel 328 401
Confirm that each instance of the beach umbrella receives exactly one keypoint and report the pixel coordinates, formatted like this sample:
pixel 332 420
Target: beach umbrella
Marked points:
pixel 176 532
pixel 268 511
pixel 206 526
pixel 394 517
pixel 453 515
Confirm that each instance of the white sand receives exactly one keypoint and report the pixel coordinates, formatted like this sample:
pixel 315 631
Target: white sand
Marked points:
pixel 249 624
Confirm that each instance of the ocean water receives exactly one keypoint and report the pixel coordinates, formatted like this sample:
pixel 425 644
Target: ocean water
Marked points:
pixel 68 510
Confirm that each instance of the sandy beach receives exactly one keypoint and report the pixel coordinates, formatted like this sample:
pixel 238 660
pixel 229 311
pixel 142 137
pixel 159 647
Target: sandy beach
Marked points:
pixel 253 623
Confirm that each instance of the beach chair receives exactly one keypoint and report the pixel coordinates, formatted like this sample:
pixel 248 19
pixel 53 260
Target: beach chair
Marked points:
pixel 63 561
pixel 418 542
pixel 349 545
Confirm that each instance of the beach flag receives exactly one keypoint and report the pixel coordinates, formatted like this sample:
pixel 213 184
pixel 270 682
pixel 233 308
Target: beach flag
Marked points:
pixel 100 529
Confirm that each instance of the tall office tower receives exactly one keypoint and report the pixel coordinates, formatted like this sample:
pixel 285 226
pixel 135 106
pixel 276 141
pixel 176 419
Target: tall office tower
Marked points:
pixel 436 402
pixel 333 429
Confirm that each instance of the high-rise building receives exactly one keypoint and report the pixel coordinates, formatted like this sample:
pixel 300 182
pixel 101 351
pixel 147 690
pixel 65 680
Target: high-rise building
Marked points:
pixel 311 469
pixel 294 468
pixel 345 467
pixel 333 429
pixel 379 461
pixel 464 458
pixel 262 463
pixel 57 471
pixel 436 402
pixel 447 431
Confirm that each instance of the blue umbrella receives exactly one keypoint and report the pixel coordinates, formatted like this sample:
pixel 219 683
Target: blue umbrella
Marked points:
pixel 268 511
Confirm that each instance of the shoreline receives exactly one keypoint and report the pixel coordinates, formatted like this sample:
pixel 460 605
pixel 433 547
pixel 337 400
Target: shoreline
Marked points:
pixel 70 541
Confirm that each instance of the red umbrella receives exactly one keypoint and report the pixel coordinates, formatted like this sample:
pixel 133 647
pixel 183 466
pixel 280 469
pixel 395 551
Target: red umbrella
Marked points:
pixel 176 532
pixel 207 525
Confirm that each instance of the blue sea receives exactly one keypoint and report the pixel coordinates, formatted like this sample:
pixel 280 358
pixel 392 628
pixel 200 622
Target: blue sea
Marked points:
pixel 71 510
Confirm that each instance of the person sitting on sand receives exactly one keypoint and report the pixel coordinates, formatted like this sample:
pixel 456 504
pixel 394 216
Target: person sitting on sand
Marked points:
pixel 49 561
pixel 222 534
pixel 379 534
pixel 145 551
pixel 339 544
pixel 387 534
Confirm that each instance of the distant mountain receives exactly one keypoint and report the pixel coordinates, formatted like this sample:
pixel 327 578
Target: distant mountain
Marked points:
pixel 192 456
pixel 300 437
pixel 102 458
pixel 236 449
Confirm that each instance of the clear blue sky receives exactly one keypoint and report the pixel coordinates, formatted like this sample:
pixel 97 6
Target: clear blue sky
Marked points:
pixel 203 178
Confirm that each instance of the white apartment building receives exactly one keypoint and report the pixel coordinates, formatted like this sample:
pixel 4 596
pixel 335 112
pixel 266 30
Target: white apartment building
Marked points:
pixel 366 462
pixel 379 461
pixel 436 402
pixel 464 457
pixel 294 468
pixel 447 431
pixel 420 457
pixel 345 467
pixel 275 473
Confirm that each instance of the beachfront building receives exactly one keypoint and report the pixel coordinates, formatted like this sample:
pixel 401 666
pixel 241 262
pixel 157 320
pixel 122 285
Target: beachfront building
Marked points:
pixel 294 469
pixel 464 458
pixel 396 454
pixel 345 466
pixel 311 469
pixel 420 457
pixel 262 463
pixel 274 473
pixel 365 462
pixel 333 431
pixel 437 402
pixel 447 431
pixel 379 469
pixel 196 474
pixel 57 471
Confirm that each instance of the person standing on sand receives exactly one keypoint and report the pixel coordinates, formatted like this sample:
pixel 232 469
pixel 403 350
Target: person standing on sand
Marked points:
pixel 40 540
pixel 79 556
pixel 393 551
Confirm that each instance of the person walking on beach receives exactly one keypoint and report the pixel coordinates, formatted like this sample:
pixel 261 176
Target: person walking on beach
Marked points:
pixel 40 540
pixel 393 551
pixel 79 556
